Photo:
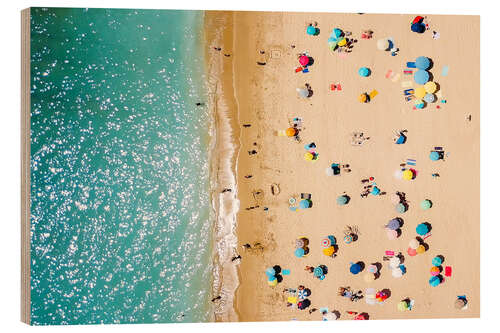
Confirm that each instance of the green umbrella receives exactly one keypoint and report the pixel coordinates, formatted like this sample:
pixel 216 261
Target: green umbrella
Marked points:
pixel 400 208
pixel 426 204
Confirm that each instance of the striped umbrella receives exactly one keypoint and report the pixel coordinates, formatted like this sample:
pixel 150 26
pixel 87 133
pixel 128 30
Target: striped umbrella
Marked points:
pixel 326 243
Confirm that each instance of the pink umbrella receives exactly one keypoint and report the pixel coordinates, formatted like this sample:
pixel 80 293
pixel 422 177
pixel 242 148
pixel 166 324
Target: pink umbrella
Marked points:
pixel 392 234
pixel 411 252
pixel 304 60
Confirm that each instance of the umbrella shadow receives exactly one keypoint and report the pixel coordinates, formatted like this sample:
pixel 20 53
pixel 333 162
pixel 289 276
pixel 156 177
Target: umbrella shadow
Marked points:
pixel 431 65
pixel 401 257
pixel 423 243
pixel 361 265
pixel 317 31
pixel 379 269
pixel 429 226
pixel 336 313
pixel 311 61
pixel 441 257
pixel 401 221
pixel 324 268
pixel 348 198
pixel 430 201
pixel 279 277
pixel 387 292
pixel 365 315
pixel 277 269
pixel 399 231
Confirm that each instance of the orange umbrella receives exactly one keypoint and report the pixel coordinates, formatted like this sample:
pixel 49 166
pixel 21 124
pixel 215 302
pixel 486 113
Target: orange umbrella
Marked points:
pixel 291 132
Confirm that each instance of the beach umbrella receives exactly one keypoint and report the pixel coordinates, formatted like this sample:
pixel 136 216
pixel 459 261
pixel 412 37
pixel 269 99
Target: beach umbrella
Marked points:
pixel 337 32
pixel 311 30
pixel 303 92
pixel 391 234
pixel 419 104
pixel 422 229
pixel 332 239
pixel 291 132
pixel 395 198
pixel 403 306
pixel 364 71
pixel 299 253
pixel 273 283
pixel 375 190
pixel 417 19
pixel 270 272
pixel 393 224
pixel 308 156
pixel 299 243
pixel 430 87
pixel 418 28
pixel 329 251
pixel 318 272
pixel 398 174
pixel 414 244
pixel 303 60
pixel 407 174
pixel 411 252
pixel 348 239
pixel 355 269
pixel 332 46
pixel 303 204
pixel 434 156
pixel 332 39
pixel 372 269
pixel 394 262
pixel 400 208
pixel 434 281
pixel 360 317
pixel 420 249
pixel 425 204
pixel 420 92
pixel 422 62
pixel 326 242
pixel 421 76
pixel 435 270
pixel 369 277
pixel 302 294
pixel 363 98
pixel 330 316
pixel 329 171
pixel 430 98
pixel 397 273
pixel 342 42
pixel 342 200
pixel 460 303
pixel 437 261
pixel 383 44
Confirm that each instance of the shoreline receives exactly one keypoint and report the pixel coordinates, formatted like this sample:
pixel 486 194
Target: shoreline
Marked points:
pixel 223 164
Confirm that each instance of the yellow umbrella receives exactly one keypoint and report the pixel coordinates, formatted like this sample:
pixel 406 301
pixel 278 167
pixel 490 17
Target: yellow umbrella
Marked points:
pixel 430 87
pixel 291 132
pixel 292 299
pixel 369 277
pixel 420 249
pixel 308 156
pixel 402 306
pixel 329 251
pixel 407 175
pixel 420 92
pixel 342 42
pixel 362 98
pixel 273 282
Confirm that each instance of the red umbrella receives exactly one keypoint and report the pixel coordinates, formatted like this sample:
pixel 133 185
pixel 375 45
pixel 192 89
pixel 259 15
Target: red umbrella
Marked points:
pixel 417 19
pixel 303 60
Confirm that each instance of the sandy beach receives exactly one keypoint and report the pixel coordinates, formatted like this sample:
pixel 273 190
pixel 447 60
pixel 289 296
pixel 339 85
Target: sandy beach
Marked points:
pixel 265 97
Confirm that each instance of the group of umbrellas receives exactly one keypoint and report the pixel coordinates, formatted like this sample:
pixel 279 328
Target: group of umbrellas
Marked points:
pixel 372 273
pixel 376 297
pixel 406 174
pixel 393 228
pixel 329 245
pixel 311 153
pixel 301 248
pixel 418 25
pixel 424 93
pixel 336 39
pixel 396 266
pixel 436 269
pixel 400 204
pixel 273 275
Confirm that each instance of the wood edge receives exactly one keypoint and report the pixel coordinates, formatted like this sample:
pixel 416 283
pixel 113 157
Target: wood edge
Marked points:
pixel 25 168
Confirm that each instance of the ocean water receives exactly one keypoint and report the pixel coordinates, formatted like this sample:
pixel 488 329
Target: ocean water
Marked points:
pixel 120 192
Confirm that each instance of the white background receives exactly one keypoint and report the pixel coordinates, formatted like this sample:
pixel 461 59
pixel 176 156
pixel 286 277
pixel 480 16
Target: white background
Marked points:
pixel 10 161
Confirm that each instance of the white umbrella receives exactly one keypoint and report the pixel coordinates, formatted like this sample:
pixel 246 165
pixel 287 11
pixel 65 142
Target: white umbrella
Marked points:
pixel 398 174
pixel 395 199
pixel 394 262
pixel 414 244
pixel 383 44
pixel 397 273
pixel 329 171
pixel 304 93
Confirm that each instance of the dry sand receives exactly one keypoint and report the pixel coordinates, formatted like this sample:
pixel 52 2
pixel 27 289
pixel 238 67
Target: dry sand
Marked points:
pixel 266 98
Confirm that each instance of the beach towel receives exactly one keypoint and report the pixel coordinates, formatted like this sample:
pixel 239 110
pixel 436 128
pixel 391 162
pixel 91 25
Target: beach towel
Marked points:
pixel 445 70
pixel 285 272
pixel 298 69
pixel 388 74
pixel 281 133
pixel 396 78
pixel 411 65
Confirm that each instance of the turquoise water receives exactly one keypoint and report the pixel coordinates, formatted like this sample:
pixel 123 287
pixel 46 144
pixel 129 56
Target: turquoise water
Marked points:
pixel 119 167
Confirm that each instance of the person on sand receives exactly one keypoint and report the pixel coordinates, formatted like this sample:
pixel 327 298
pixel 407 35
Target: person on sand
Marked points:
pixel 252 152
pixel 248 176
pixel 310 269
pixel 216 298
pixel 246 125
pixel 236 258
pixel 246 246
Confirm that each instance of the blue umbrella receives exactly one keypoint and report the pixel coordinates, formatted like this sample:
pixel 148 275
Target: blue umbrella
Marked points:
pixel 304 204
pixel 272 278
pixel 332 39
pixel 302 294
pixel 332 239
pixel 270 272
pixel 375 190
pixel 434 281
pixel 337 32
pixel 434 156
pixel 355 269
pixel 318 272
pixel 418 27
pixel 422 229
pixel 421 76
pixel 402 268
pixel 437 261
pixel 299 253
pixel 342 200
pixel 422 63
pixel 364 71
pixel 311 30
pixel 430 98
